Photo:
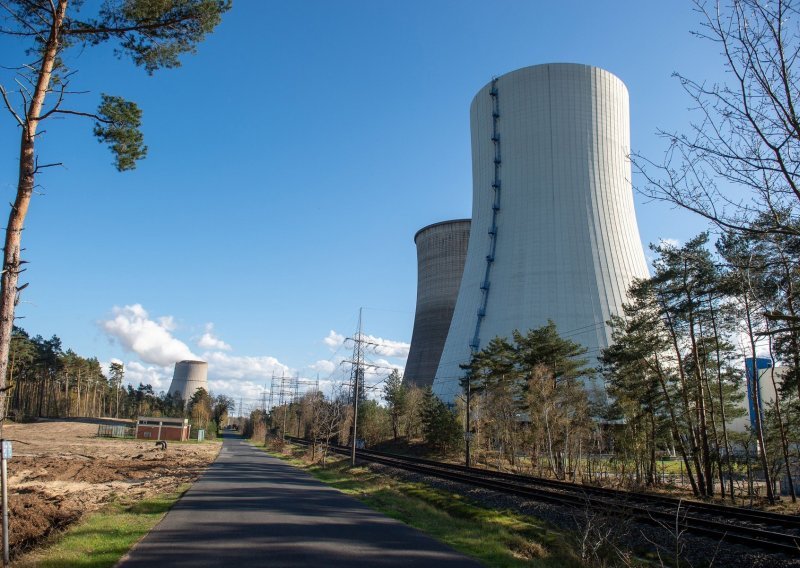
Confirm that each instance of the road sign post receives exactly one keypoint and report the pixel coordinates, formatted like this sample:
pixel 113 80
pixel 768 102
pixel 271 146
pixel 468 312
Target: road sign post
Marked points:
pixel 5 455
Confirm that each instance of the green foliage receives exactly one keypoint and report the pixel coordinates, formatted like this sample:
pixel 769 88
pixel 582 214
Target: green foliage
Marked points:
pixel 545 347
pixel 441 428
pixel 373 422
pixel 118 126
pixel 222 405
pixel 530 397
pixel 201 410
pixel 396 396
pixel 514 361
pixel 154 32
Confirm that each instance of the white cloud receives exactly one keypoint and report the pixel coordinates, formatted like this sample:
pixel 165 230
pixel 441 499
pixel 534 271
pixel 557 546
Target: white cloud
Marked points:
pixel 167 322
pixel 151 340
pixel 334 340
pixel 211 341
pixel 675 243
pixel 377 345
pixel 135 373
pixel 158 377
pixel 387 347
pixel 381 370
pixel 248 394
pixel 322 366
pixel 258 368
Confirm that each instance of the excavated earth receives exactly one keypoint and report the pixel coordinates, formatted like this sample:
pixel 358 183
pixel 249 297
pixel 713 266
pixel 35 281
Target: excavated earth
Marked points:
pixel 60 471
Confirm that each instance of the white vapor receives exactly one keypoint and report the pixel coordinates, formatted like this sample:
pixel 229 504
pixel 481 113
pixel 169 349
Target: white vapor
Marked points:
pixel 151 340
pixel 211 341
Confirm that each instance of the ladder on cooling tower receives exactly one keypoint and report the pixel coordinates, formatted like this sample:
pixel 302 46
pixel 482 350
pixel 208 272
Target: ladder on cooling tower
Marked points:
pixel 485 283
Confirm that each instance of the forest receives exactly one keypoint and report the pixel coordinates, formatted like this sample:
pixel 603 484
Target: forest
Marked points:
pixel 46 381
pixel 655 409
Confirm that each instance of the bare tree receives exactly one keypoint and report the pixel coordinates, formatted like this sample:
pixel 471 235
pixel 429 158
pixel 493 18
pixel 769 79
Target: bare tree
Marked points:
pixel 329 416
pixel 741 158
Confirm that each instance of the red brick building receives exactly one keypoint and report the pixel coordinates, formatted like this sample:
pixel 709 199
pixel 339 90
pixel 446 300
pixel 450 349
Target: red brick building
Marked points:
pixel 161 428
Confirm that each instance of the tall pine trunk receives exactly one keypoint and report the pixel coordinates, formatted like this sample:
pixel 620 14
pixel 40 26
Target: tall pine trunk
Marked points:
pixel 12 260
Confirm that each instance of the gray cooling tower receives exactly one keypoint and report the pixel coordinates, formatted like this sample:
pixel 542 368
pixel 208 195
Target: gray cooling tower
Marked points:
pixel 188 377
pixel 554 232
pixel 441 252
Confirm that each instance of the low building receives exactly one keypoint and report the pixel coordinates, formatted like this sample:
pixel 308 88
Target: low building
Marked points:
pixel 162 428
pixel 769 379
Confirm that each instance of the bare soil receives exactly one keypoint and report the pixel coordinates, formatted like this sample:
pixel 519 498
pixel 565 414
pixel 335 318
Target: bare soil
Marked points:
pixel 60 470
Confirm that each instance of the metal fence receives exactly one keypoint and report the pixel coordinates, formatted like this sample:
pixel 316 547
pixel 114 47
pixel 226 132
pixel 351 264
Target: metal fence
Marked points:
pixel 109 431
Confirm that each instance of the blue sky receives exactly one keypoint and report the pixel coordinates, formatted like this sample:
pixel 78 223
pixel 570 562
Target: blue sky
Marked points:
pixel 291 161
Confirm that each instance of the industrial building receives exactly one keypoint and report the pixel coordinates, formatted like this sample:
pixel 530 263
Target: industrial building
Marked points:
pixel 441 252
pixel 187 377
pixel 554 233
pixel 769 379
pixel 162 428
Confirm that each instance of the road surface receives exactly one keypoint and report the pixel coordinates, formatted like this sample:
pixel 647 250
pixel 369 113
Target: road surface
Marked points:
pixel 250 509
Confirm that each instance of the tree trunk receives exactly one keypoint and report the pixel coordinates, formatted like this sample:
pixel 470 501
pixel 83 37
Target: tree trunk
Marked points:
pixel 722 406
pixel 12 261
pixel 700 401
pixel 756 393
pixel 676 431
pixel 782 430
pixel 695 446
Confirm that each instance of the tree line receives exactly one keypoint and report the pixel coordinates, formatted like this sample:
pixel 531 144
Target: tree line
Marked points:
pixel 44 380
pixel 668 388
pixel 408 414
pixel 673 378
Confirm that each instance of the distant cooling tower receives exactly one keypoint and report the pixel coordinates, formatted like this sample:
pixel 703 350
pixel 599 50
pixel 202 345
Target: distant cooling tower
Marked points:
pixel 441 252
pixel 554 233
pixel 188 377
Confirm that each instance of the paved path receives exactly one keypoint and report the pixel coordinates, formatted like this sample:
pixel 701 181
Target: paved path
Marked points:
pixel 250 509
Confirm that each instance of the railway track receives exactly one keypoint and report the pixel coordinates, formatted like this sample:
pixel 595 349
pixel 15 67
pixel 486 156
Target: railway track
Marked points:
pixel 771 532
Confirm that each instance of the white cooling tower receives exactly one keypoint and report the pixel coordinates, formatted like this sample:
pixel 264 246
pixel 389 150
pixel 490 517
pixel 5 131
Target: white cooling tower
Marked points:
pixel 554 232
pixel 187 378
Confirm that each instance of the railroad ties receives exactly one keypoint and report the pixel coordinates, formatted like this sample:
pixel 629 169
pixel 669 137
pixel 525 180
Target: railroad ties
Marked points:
pixel 763 530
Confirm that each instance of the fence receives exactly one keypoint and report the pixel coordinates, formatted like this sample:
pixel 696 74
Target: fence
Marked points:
pixel 108 431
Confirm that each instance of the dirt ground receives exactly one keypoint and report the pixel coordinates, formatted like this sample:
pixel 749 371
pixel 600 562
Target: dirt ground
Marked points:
pixel 60 470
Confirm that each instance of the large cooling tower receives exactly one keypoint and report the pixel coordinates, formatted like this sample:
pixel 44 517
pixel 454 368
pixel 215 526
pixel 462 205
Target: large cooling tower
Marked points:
pixel 188 377
pixel 441 252
pixel 554 233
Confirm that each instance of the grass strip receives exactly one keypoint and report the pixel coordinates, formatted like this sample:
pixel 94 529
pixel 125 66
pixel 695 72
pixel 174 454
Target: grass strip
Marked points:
pixel 493 537
pixel 102 538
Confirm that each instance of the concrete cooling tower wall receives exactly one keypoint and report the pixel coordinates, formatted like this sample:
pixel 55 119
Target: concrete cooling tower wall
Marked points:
pixel 554 232
pixel 441 252
pixel 188 377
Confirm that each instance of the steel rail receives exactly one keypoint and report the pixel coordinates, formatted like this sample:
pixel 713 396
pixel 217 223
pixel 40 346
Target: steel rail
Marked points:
pixel 618 502
pixel 747 515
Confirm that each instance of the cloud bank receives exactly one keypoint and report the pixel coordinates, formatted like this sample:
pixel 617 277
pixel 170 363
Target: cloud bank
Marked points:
pixel 150 340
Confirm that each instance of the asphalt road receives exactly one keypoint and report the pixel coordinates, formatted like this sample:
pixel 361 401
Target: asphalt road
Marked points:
pixel 250 509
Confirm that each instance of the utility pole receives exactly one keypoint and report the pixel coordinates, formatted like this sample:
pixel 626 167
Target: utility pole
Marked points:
pixel 285 405
pixel 356 373
pixel 296 403
pixel 271 390
pixel 467 431
pixel 357 377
